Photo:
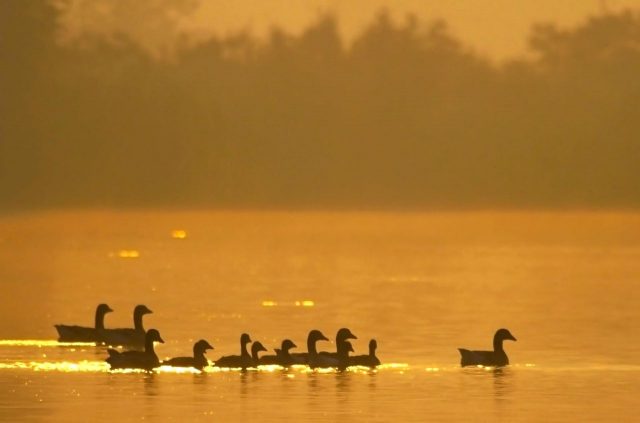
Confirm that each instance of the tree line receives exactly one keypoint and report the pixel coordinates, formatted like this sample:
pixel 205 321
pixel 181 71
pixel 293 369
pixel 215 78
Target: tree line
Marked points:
pixel 405 117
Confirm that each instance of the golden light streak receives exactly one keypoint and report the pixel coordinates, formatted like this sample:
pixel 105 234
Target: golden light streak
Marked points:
pixel 42 343
pixel 179 370
pixel 298 303
pixel 270 367
pixel 102 366
pixel 59 366
pixel 394 366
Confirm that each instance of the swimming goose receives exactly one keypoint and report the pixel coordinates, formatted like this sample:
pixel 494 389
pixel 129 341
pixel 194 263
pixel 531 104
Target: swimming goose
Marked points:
pixel 243 360
pixel 282 357
pixel 69 333
pixel 198 361
pixel 314 359
pixel 146 359
pixel 131 337
pixel 342 336
pixel 256 347
pixel 369 360
pixel 344 349
pixel 497 357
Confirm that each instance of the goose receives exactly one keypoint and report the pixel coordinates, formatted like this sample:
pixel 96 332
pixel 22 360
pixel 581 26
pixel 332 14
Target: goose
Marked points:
pixel 497 357
pixel 282 357
pixel 68 333
pixel 344 349
pixel 342 336
pixel 256 347
pixel 369 360
pixel 146 359
pixel 243 360
pixel 314 359
pixel 131 337
pixel 198 361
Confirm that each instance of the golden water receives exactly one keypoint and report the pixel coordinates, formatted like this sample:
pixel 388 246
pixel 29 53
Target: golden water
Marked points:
pixel 422 284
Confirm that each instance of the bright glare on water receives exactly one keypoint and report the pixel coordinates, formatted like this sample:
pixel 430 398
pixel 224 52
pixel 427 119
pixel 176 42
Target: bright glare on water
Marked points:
pixel 565 284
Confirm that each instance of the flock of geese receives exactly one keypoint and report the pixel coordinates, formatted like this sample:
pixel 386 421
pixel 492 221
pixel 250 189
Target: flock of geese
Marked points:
pixel 141 353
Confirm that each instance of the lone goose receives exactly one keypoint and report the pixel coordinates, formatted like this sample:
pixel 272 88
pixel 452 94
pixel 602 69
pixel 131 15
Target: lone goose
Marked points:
pixel 131 337
pixel 282 357
pixel 369 360
pixel 243 360
pixel 315 359
pixel 68 333
pixel 497 357
pixel 146 359
pixel 198 361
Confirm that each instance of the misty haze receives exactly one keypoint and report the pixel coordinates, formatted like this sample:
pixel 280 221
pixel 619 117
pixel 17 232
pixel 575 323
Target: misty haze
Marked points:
pixel 405 116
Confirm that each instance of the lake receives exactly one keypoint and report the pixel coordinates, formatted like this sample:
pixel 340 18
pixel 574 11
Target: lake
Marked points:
pixel 422 284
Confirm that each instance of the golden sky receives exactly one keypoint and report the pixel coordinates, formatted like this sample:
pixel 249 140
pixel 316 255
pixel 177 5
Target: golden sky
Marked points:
pixel 496 28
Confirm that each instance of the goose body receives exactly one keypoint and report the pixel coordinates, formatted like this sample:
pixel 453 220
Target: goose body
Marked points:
pixel 130 337
pixel 497 357
pixel 369 360
pixel 146 359
pixel 198 361
pixel 342 346
pixel 315 359
pixel 73 333
pixel 283 357
pixel 243 360
pixel 343 355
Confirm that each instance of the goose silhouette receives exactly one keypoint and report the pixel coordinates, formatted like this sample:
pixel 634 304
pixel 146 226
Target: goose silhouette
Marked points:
pixel 315 359
pixel 256 348
pixel 198 361
pixel 344 349
pixel 283 357
pixel 497 357
pixel 130 337
pixel 72 333
pixel 243 360
pixel 146 360
pixel 368 360
pixel 342 337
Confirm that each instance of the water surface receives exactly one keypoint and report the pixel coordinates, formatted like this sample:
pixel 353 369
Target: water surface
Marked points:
pixel 422 284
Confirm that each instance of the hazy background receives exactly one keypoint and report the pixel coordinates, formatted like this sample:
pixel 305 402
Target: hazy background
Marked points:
pixel 319 104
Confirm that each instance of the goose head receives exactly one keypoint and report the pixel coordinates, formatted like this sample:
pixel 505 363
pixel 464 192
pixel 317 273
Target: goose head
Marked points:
pixel 256 347
pixel 141 310
pixel 348 347
pixel 201 347
pixel 287 344
pixel 504 335
pixel 245 339
pixel 373 345
pixel 344 334
pixel 153 336
pixel 103 309
pixel 315 335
